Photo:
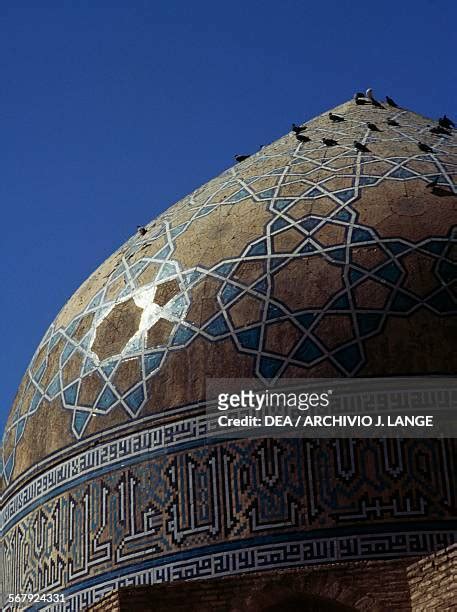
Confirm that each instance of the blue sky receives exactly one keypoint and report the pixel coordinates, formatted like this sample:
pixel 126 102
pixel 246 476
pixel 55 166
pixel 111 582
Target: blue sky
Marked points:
pixel 112 111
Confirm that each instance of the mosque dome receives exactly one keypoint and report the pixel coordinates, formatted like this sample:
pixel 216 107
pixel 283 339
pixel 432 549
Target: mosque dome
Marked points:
pixel 305 260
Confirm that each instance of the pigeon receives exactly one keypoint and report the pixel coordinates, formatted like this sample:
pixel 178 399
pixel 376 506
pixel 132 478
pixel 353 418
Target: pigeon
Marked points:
pixel 392 122
pixel 369 95
pixel 359 97
pixel 433 184
pixel 302 138
pixel 329 142
pixel 391 102
pixel 373 127
pixel 240 158
pixel 446 122
pixel 335 118
pixel 361 147
pixel 298 128
pixel 442 193
pixel 141 230
pixel 440 130
pixel 424 147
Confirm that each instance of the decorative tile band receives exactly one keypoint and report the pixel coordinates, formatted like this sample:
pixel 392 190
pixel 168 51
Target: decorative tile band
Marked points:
pixel 132 448
pixel 260 557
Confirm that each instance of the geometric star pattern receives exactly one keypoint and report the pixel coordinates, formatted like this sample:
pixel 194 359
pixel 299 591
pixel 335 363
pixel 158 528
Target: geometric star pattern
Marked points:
pixel 302 261
pixel 315 204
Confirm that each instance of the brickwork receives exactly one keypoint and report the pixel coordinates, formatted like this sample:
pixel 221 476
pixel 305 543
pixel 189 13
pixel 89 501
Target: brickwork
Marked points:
pixel 433 582
pixel 304 261
pixel 426 585
pixel 109 603
pixel 373 586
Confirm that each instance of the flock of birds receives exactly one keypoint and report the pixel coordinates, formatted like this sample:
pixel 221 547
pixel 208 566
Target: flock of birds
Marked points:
pixel 444 127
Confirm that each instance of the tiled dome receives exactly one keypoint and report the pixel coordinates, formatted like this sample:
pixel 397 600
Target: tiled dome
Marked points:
pixel 305 260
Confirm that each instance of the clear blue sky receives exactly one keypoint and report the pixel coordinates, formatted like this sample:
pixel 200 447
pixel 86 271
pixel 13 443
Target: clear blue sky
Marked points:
pixel 111 111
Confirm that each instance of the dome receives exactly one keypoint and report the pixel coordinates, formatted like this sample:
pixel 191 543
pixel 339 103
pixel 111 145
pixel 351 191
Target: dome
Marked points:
pixel 304 260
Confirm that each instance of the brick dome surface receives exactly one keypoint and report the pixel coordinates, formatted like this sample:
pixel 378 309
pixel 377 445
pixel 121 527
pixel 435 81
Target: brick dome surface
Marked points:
pixel 304 260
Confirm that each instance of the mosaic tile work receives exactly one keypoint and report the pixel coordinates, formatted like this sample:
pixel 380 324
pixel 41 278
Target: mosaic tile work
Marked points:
pixel 304 260
pixel 234 507
pixel 358 235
